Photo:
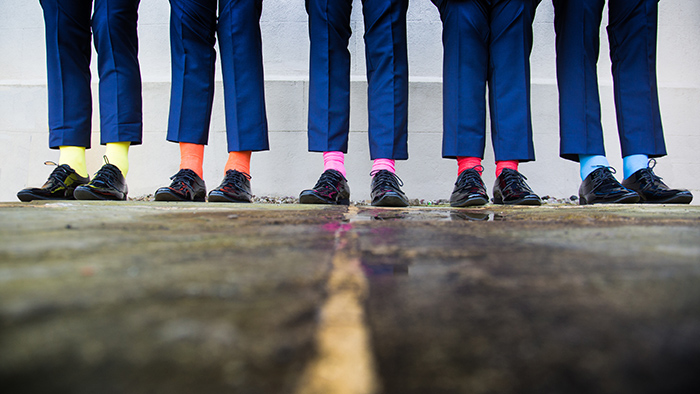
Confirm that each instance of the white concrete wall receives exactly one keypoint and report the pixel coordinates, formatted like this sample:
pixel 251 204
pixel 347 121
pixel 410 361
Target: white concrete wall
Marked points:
pixel 288 167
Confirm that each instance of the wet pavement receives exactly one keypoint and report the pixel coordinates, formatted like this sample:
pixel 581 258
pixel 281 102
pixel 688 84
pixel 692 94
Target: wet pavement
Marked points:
pixel 146 297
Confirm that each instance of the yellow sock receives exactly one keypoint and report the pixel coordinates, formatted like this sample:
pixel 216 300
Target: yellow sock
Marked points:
pixel 118 154
pixel 74 156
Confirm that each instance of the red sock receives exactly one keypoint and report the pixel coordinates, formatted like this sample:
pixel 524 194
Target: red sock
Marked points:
pixel 467 162
pixel 192 157
pixel 239 161
pixel 503 164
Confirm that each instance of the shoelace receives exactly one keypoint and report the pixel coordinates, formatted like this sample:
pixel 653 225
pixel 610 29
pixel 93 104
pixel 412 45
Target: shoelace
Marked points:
pixel 107 174
pixel 236 177
pixel 601 176
pixel 384 179
pixel 515 179
pixel 329 179
pixel 184 179
pixel 469 177
pixel 185 176
pixel 651 180
pixel 58 174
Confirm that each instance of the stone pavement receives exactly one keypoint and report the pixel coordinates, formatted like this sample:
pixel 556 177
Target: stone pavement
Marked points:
pixel 146 297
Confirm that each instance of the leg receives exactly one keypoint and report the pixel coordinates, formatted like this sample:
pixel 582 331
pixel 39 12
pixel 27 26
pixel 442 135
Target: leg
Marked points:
pixel 387 76
pixel 192 38
pixel 68 70
pixel 465 65
pixel 114 25
pixel 632 32
pixel 240 44
pixel 329 80
pixel 577 25
pixel 510 45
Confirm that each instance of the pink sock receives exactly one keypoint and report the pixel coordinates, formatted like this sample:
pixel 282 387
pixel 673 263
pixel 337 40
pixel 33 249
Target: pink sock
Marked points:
pixel 383 164
pixel 503 164
pixel 466 163
pixel 334 161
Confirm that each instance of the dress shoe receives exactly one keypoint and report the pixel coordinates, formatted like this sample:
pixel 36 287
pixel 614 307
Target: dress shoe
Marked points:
pixel 108 184
pixel 652 190
pixel 469 190
pixel 386 190
pixel 186 186
pixel 331 188
pixel 510 188
pixel 234 188
pixel 601 187
pixel 60 185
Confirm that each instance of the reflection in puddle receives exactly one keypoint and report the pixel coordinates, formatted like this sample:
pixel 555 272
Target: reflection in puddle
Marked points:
pixel 391 216
pixel 475 216
pixel 365 215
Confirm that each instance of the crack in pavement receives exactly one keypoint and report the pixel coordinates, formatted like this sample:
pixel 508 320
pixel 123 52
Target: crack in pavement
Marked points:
pixel 344 363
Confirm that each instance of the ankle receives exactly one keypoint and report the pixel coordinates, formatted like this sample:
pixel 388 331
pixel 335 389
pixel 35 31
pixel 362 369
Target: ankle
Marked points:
pixel 118 154
pixel 239 161
pixel 590 162
pixel 634 163
pixel 503 164
pixel 334 160
pixel 74 156
pixel 192 157
pixel 383 164
pixel 467 163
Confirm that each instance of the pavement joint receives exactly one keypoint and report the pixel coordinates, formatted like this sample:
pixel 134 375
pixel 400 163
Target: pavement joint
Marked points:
pixel 344 363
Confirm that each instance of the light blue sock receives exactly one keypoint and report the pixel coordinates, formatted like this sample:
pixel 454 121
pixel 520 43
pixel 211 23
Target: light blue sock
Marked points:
pixel 634 163
pixel 590 162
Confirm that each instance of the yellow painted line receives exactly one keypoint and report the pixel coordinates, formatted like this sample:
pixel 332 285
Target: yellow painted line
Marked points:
pixel 344 363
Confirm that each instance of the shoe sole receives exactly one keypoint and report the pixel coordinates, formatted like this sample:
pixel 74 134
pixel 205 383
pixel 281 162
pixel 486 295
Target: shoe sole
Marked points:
pixel 470 202
pixel 83 194
pixel 389 200
pixel 626 199
pixel 167 195
pixel 28 197
pixel 216 197
pixel 677 199
pixel 314 199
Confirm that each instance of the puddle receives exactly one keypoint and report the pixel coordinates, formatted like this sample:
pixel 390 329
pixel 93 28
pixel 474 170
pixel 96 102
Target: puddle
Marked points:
pixel 476 216
pixel 366 215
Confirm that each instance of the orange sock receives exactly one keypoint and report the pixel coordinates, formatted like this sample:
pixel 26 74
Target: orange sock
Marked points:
pixel 467 162
pixel 503 164
pixel 239 161
pixel 192 157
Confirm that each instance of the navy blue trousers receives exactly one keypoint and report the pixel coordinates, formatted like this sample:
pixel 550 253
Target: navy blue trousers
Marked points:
pixel 193 31
pixel 632 32
pixel 387 76
pixel 69 26
pixel 487 42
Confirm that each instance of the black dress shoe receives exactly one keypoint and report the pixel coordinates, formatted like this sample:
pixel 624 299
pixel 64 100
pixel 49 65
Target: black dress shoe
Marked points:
pixel 386 190
pixel 469 190
pixel 510 188
pixel 652 190
pixel 108 184
pixel 60 185
pixel 331 188
pixel 234 188
pixel 601 187
pixel 186 186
